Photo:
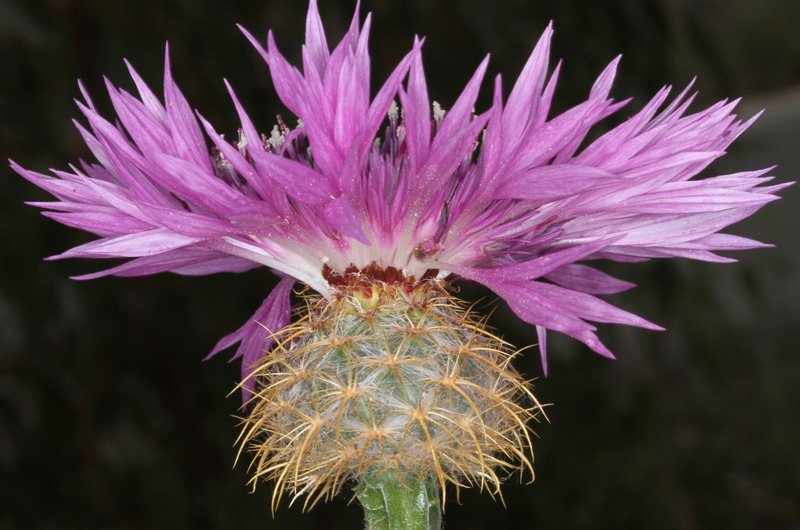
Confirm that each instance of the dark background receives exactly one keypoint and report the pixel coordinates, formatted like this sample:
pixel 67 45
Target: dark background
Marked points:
pixel 108 419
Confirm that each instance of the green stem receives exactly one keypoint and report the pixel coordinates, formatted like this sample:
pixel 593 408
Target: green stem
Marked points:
pixel 400 503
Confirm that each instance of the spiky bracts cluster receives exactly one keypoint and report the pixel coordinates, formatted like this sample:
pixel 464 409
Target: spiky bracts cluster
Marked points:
pixel 387 380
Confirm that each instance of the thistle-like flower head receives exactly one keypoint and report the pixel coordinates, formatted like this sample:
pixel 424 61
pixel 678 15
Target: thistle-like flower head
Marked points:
pixel 506 197
pixel 386 188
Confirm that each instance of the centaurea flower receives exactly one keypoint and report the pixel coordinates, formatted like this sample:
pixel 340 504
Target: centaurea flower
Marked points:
pixel 374 202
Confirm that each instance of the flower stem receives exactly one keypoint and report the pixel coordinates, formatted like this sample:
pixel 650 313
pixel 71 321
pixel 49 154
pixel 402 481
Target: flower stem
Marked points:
pixel 406 502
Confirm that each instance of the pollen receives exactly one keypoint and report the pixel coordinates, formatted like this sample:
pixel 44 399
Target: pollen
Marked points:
pixel 385 377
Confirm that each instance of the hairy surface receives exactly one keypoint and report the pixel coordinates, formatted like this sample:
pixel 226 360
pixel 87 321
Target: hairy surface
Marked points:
pixel 387 381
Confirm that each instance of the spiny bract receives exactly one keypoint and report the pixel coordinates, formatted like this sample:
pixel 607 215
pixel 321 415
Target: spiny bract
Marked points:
pixel 386 378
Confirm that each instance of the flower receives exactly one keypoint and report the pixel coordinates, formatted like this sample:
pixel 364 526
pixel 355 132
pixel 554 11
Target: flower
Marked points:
pixel 374 202
pixel 513 197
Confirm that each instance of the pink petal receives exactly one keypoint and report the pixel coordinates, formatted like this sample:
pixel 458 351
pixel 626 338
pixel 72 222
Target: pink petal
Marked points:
pixel 256 336
pixel 189 261
pixel 188 140
pixel 587 280
pixel 343 217
pixel 134 245
pixel 315 38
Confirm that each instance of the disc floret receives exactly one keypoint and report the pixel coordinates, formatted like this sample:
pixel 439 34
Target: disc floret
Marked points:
pixel 389 376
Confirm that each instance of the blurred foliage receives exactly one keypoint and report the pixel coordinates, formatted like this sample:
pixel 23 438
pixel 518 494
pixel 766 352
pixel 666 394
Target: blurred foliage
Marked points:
pixel 109 420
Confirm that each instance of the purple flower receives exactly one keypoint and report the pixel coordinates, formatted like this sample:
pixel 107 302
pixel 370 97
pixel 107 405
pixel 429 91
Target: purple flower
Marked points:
pixel 512 197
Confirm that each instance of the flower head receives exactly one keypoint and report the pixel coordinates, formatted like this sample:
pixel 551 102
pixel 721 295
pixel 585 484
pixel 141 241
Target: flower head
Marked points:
pixel 392 189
